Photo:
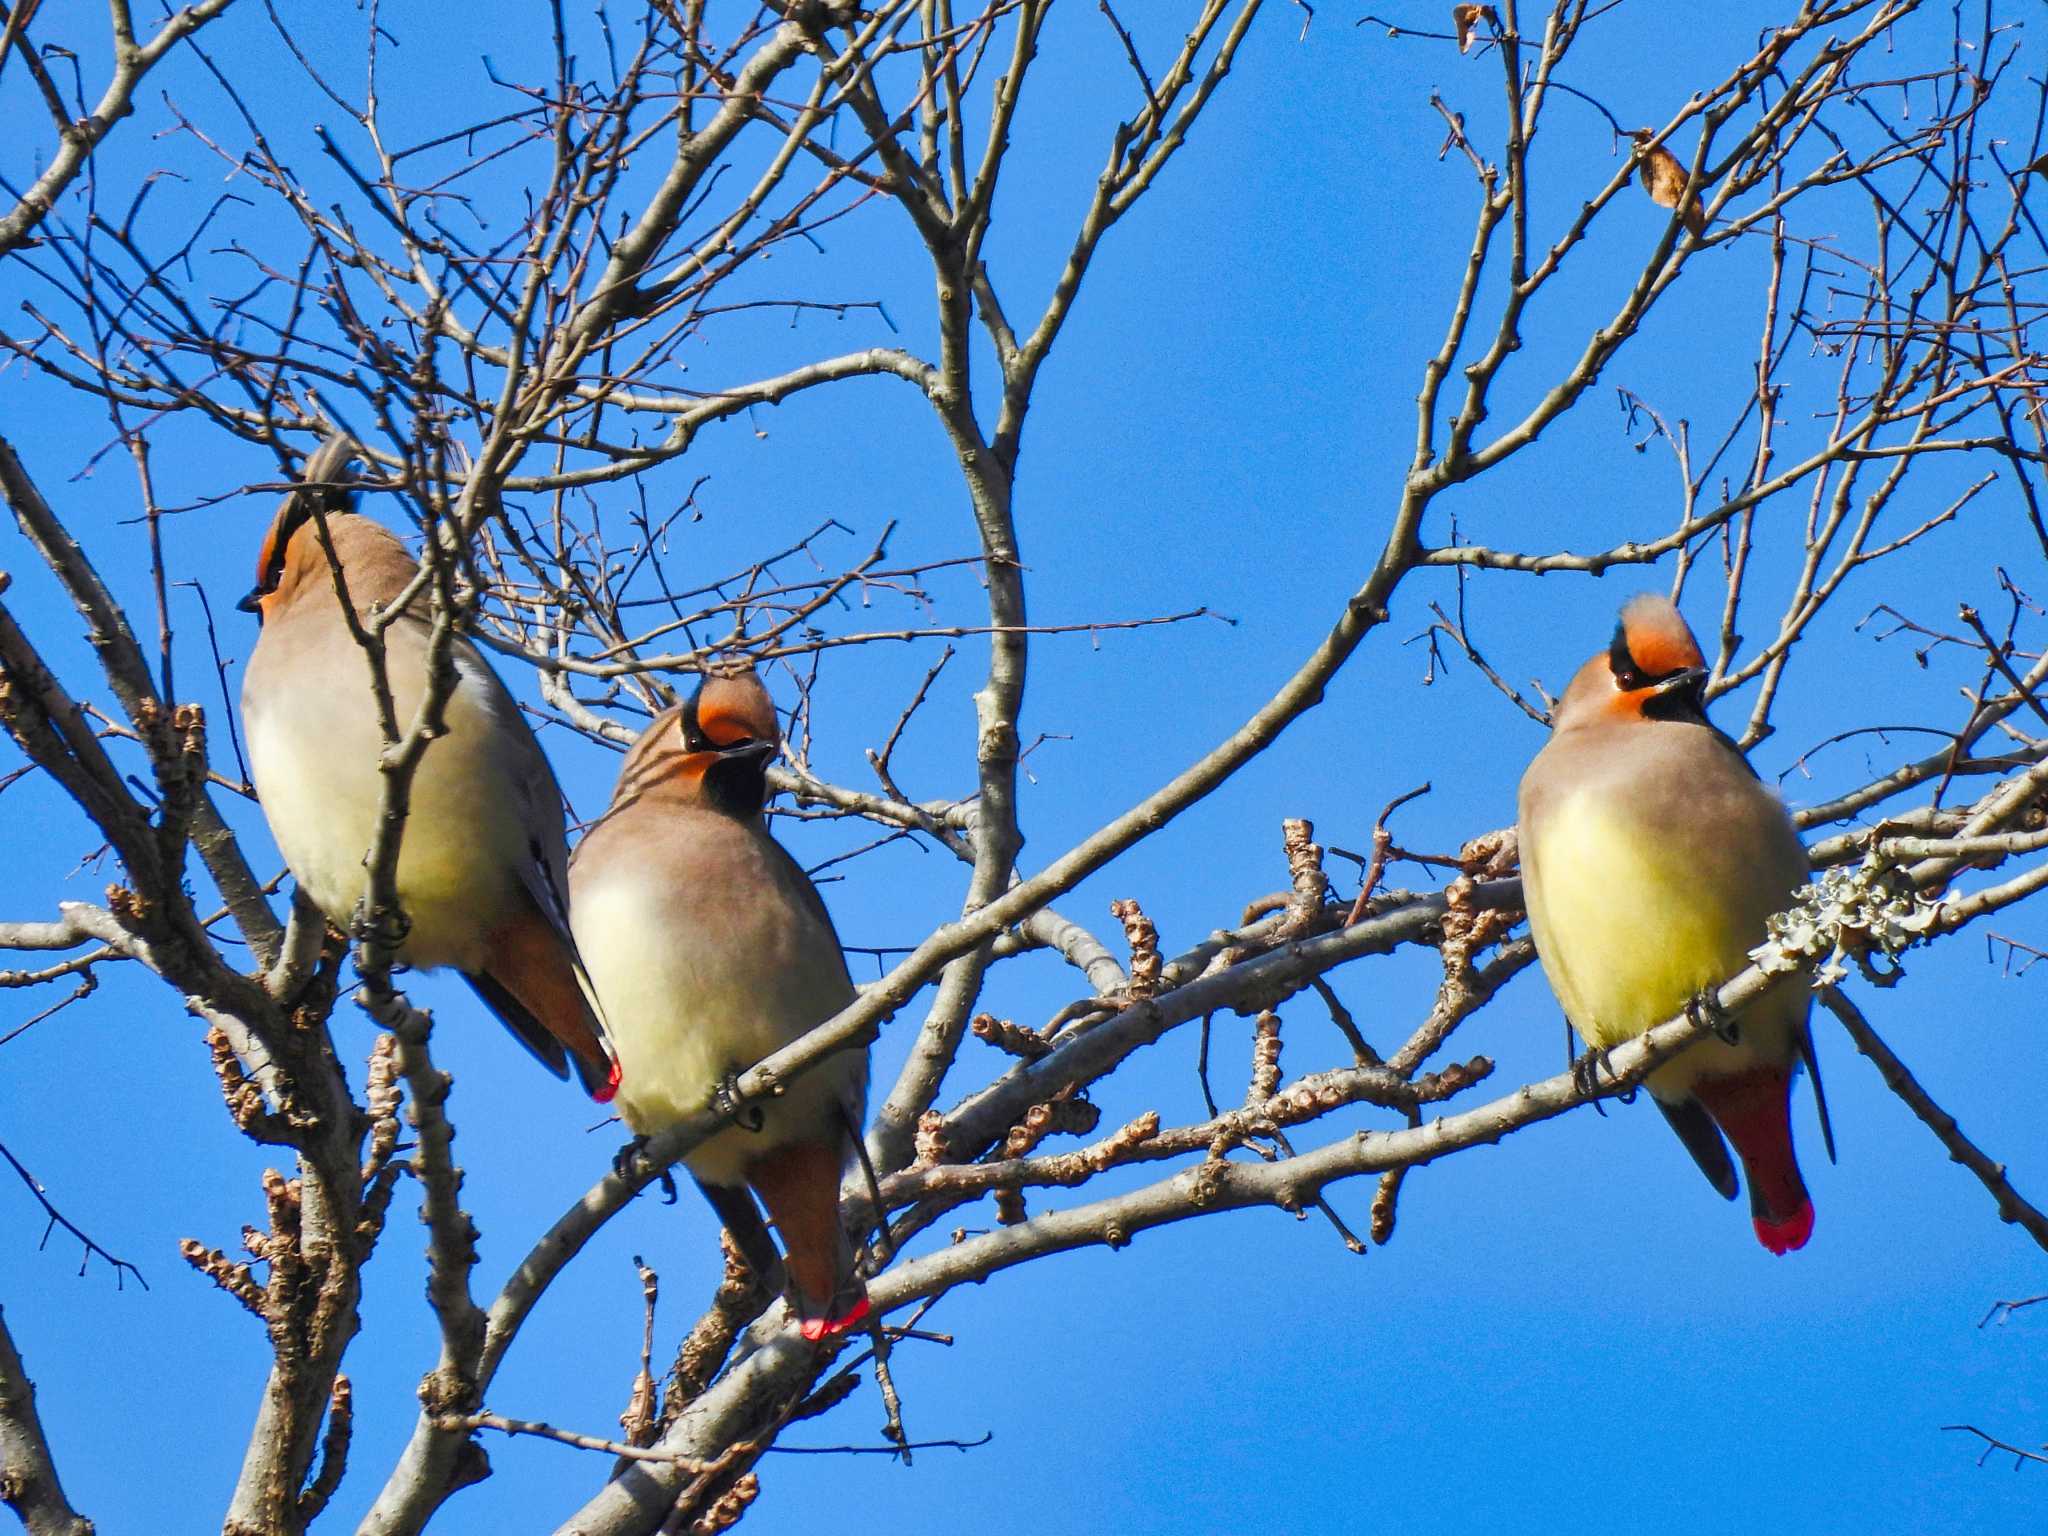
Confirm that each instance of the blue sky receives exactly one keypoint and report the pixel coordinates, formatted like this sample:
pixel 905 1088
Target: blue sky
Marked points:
pixel 1572 1322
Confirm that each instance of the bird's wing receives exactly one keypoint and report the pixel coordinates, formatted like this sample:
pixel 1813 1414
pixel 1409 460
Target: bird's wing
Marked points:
pixel 1820 1099
pixel 515 1016
pixel 570 1012
pixel 742 1218
pixel 790 875
pixel 1702 1139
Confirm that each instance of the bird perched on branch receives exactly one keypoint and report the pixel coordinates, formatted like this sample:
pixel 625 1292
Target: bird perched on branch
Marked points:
pixel 482 879
pixel 710 949
pixel 1651 858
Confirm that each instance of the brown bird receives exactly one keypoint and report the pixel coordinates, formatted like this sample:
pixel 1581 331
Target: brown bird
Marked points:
pixel 483 860
pixel 1651 858
pixel 710 949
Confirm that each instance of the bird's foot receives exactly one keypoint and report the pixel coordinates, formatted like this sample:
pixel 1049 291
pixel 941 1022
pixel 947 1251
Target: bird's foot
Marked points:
pixel 624 1159
pixel 1704 1008
pixel 630 1161
pixel 384 927
pixel 728 1100
pixel 1586 1070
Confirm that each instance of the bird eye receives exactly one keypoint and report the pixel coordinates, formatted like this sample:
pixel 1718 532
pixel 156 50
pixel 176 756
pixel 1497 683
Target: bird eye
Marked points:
pixel 1621 661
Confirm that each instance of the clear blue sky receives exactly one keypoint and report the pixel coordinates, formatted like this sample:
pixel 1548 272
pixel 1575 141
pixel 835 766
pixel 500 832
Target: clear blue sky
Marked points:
pixel 1572 1323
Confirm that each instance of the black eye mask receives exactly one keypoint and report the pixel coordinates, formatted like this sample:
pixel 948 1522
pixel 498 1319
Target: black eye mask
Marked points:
pixel 687 728
pixel 1628 677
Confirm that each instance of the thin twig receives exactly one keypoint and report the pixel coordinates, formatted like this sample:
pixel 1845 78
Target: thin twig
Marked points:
pixel 58 1219
pixel 1993 1445
pixel 2002 1310
pixel 2011 1208
pixel 1382 840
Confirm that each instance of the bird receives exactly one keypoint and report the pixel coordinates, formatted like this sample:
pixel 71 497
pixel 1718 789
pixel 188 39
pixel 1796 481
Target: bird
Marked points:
pixel 482 878
pixel 710 950
pixel 1652 857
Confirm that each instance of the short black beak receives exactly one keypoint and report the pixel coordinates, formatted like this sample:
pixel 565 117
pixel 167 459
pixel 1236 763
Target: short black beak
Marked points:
pixel 750 750
pixel 253 603
pixel 1678 682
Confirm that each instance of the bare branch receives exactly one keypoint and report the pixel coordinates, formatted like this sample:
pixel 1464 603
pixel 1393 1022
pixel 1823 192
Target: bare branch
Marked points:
pixel 2011 1207
pixel 28 1478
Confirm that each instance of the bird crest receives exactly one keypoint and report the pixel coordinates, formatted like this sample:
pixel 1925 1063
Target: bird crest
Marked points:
pixel 729 706
pixel 327 465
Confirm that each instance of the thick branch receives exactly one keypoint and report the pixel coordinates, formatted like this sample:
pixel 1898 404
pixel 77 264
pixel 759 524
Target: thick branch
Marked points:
pixel 28 1477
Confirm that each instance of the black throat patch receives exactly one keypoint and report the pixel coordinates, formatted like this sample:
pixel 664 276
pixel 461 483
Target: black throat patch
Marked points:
pixel 736 782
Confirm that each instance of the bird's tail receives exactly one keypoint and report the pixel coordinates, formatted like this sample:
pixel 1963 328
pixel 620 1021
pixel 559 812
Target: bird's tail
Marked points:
pixel 799 1184
pixel 1754 1109
pixel 531 984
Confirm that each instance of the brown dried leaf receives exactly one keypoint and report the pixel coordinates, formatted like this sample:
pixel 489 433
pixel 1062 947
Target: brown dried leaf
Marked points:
pixel 1466 19
pixel 1664 179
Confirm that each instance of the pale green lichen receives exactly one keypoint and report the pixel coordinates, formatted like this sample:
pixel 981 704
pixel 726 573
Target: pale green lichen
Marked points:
pixel 1848 914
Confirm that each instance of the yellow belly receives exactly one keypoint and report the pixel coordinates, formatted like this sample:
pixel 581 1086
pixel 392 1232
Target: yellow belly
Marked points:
pixel 1624 927
pixel 687 1003
pixel 314 756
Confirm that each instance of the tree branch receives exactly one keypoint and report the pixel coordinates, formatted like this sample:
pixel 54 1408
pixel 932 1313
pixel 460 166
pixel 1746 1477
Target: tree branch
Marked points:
pixel 28 1477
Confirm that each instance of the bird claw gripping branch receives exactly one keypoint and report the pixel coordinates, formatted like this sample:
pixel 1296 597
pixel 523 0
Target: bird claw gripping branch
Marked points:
pixel 1704 1008
pixel 1586 1070
pixel 632 1153
pixel 728 1100
pixel 386 927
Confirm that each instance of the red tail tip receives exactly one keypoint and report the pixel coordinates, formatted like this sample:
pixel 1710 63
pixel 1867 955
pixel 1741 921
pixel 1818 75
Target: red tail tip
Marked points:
pixel 1792 1232
pixel 611 1086
pixel 818 1329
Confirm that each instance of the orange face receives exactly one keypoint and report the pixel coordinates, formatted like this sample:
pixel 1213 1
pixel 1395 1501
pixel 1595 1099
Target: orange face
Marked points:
pixel 271 558
pixel 735 709
pixel 728 733
pixel 1650 671
pixel 326 475
pixel 284 550
pixel 690 768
